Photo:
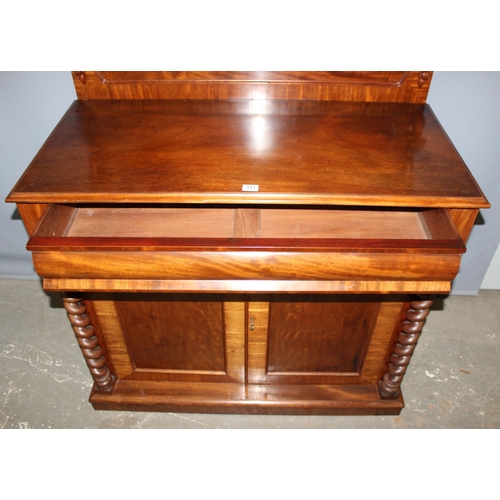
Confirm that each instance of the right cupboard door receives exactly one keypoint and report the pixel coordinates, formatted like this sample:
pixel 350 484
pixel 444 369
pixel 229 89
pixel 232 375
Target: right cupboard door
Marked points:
pixel 319 339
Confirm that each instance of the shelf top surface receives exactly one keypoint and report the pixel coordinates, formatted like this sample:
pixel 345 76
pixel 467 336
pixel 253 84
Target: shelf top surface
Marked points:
pixel 249 152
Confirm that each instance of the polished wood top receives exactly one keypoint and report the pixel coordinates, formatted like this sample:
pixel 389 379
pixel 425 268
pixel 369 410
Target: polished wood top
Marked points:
pixel 300 152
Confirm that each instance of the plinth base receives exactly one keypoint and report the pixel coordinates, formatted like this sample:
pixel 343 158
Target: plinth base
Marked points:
pixel 186 397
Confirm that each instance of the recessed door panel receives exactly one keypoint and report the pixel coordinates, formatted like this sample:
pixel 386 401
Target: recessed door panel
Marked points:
pixel 315 339
pixel 318 335
pixel 169 333
pixel 185 337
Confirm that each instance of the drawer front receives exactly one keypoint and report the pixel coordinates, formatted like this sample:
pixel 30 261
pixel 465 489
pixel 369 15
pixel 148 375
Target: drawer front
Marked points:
pixel 210 243
pixel 246 265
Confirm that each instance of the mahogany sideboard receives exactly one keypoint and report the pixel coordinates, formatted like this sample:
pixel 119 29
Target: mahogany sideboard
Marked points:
pixel 248 242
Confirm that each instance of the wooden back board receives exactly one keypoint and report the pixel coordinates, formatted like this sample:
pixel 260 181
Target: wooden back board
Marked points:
pixel 357 86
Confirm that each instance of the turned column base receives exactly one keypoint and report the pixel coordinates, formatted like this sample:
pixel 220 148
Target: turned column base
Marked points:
pixel 411 329
pixel 104 381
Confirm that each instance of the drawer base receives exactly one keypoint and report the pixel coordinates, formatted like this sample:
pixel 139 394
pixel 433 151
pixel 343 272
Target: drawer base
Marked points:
pixel 187 397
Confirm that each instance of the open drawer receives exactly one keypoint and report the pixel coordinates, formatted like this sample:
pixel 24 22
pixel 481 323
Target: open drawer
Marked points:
pixel 220 246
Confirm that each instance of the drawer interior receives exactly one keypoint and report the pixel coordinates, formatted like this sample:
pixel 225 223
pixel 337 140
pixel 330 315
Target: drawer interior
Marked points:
pixel 149 221
pixel 250 223
pixel 146 222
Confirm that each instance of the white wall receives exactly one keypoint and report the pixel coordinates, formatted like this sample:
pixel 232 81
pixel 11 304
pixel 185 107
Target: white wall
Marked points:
pixel 31 104
pixel 466 103
pixel 492 279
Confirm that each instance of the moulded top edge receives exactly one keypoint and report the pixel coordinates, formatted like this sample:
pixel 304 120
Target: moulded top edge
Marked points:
pixel 251 199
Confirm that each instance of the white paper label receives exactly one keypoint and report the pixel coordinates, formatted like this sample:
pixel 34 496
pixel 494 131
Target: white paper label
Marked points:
pixel 250 187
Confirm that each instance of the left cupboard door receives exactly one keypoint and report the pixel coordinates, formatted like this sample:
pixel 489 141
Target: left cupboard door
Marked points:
pixel 172 337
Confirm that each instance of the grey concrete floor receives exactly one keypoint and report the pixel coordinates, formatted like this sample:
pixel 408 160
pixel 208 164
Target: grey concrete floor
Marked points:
pixel 453 380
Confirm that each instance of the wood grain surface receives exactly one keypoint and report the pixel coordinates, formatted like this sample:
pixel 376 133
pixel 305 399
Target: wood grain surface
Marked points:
pixel 236 286
pixel 382 86
pixel 181 397
pixel 373 154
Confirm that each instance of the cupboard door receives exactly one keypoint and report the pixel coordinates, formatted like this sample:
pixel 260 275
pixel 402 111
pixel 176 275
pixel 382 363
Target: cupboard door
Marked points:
pixel 314 339
pixel 173 337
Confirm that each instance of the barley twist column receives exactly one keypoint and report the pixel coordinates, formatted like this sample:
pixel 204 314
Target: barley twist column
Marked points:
pixel 403 350
pixel 89 343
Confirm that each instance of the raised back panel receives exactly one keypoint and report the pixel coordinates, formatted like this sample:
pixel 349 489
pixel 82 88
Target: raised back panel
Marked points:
pixel 364 86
